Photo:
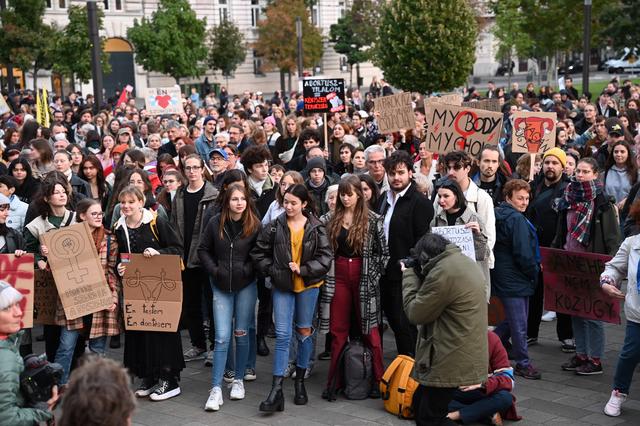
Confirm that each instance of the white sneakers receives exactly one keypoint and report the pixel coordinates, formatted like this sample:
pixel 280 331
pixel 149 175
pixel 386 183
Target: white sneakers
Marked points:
pixel 237 390
pixel 215 400
pixel 615 402
pixel 548 316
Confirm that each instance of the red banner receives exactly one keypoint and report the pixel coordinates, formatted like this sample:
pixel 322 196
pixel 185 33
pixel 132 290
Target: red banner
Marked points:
pixel 571 285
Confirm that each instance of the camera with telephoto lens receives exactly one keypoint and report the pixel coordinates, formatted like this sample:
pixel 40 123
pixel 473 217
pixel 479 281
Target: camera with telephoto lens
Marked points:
pixel 38 378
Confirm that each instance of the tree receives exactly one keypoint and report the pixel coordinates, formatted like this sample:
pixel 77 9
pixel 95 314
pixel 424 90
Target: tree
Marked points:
pixel 226 48
pixel 72 52
pixel 620 24
pixel 277 42
pixel 426 45
pixel 172 41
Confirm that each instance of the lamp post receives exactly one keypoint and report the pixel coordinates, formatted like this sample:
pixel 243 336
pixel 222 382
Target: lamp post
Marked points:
pixel 586 47
pixel 300 63
pixel 96 65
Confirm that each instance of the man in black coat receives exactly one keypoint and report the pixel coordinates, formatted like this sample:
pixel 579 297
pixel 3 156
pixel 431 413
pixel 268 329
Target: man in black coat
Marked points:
pixel 407 214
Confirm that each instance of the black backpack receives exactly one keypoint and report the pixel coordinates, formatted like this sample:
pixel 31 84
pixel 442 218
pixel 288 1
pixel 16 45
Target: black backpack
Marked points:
pixel 355 365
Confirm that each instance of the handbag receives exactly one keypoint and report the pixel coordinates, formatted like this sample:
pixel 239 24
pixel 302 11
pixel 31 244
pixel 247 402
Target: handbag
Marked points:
pixel 288 154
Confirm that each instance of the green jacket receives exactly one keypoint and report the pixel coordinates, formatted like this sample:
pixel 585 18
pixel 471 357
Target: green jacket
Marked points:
pixel 12 412
pixel 450 309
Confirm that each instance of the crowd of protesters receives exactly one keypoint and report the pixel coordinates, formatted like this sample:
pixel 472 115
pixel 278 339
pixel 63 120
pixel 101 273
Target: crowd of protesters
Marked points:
pixel 290 226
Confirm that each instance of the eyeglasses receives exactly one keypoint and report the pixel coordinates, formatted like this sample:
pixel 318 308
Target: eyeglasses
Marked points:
pixel 97 214
pixel 192 168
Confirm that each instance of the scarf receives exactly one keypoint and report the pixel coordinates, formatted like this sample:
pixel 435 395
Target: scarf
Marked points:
pixel 580 197
pixel 98 236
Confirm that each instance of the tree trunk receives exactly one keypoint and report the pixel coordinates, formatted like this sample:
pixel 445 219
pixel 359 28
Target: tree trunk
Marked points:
pixel 552 71
pixel 10 82
pixel 282 88
pixel 289 81
pixel 35 78
pixel 350 75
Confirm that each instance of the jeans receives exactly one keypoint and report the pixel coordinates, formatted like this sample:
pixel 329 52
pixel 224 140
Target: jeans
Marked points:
pixel 265 307
pixel 251 358
pixel 227 307
pixel 405 333
pixel 628 359
pixel 64 354
pixel 589 335
pixel 297 309
pixel 193 280
pixel 477 406
pixel 516 310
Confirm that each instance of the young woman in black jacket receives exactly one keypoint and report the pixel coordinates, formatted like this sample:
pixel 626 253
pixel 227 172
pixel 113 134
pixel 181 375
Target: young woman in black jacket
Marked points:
pixel 224 252
pixel 295 252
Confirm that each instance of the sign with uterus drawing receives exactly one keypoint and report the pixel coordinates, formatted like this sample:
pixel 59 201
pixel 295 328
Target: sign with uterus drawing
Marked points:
pixel 152 293
pixel 533 132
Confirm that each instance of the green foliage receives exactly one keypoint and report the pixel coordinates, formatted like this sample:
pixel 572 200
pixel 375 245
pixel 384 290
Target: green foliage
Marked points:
pixel 227 49
pixel 426 45
pixel 620 24
pixel 72 51
pixel 356 32
pixel 277 41
pixel 172 41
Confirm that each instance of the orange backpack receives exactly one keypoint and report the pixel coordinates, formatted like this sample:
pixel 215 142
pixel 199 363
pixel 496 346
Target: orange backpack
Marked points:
pixel 397 387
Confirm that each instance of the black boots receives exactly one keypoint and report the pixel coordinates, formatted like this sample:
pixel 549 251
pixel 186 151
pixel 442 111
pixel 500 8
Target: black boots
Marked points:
pixel 263 349
pixel 275 400
pixel 301 392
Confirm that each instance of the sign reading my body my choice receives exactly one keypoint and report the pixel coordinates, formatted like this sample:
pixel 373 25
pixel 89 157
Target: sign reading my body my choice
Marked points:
pixel 324 95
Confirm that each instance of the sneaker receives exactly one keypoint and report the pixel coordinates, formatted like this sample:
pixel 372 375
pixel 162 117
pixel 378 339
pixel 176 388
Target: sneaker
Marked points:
pixel 208 360
pixel 549 316
pixel 215 400
pixel 531 341
pixel 568 346
pixel 237 390
pixel 573 363
pixel 496 420
pixel 165 390
pixel 290 371
pixel 528 372
pixel 325 356
pixel 589 368
pixel 615 402
pixel 228 376
pixel 194 354
pixel 146 388
pixel 249 374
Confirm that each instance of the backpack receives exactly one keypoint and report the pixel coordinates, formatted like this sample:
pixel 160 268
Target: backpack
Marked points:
pixel 355 365
pixel 397 387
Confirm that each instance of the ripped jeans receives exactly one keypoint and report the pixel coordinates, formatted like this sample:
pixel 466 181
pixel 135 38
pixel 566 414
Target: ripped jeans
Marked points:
pixel 295 309
pixel 228 309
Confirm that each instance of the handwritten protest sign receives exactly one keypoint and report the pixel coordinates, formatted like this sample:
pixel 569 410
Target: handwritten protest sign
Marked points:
pixel 18 271
pixel 395 113
pixel 571 285
pixel 163 100
pixel 486 104
pixel 45 298
pixel 533 132
pixel 324 95
pixel 450 99
pixel 460 236
pixel 453 128
pixel 77 271
pixel 152 293
pixel 4 107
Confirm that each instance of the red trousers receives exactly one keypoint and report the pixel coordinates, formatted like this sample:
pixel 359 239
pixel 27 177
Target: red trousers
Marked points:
pixel 345 301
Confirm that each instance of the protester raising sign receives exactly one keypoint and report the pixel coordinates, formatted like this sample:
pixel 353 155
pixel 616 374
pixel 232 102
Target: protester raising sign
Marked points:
pixel 324 95
pixel 163 100
pixel 460 236
pixel 486 104
pixel 394 113
pixel 152 293
pixel 453 128
pixel 571 285
pixel 533 132
pixel 18 271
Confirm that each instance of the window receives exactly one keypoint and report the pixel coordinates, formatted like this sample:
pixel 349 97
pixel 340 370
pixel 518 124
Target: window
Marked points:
pixel 315 15
pixel 255 12
pixel 106 4
pixel 118 4
pixel 342 10
pixel 48 3
pixel 223 10
pixel 257 64
pixel 62 4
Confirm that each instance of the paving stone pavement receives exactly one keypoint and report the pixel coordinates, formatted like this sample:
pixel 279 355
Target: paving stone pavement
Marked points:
pixel 560 398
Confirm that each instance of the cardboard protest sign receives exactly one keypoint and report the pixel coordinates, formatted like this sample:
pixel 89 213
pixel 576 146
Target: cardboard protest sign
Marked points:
pixel 460 236
pixel 453 128
pixel 533 132
pixel 18 271
pixel 77 271
pixel 4 107
pixel 451 99
pixel 163 100
pixel 571 285
pixel 495 311
pixel 45 298
pixel 152 293
pixel 324 95
pixel 486 104
pixel 395 113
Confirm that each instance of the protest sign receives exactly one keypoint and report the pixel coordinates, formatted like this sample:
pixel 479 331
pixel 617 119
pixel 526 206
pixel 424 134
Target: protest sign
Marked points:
pixel 4 107
pixel 453 128
pixel 571 285
pixel 395 113
pixel 163 100
pixel 495 311
pixel 152 293
pixel 324 95
pixel 77 271
pixel 450 99
pixel 486 104
pixel 18 271
pixel 45 298
pixel 533 132
pixel 460 236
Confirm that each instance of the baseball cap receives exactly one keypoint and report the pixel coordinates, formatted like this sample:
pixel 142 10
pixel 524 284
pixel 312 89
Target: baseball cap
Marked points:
pixel 220 152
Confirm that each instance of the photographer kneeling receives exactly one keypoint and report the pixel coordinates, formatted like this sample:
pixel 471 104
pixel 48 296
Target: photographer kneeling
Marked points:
pixel 444 295
pixel 12 402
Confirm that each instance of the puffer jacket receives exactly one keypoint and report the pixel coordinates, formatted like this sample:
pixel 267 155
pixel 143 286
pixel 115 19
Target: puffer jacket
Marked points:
pixel 272 253
pixel 227 259
pixel 12 403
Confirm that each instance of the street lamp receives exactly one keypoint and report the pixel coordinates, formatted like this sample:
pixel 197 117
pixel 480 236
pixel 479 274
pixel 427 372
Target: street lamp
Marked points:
pixel 96 47
pixel 586 48
pixel 300 63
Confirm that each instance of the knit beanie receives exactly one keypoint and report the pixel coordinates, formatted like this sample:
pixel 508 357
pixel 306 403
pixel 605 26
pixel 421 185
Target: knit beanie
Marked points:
pixel 559 154
pixel 8 295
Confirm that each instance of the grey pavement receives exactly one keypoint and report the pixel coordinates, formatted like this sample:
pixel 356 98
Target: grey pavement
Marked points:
pixel 560 398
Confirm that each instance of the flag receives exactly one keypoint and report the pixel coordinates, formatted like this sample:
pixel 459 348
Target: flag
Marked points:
pixel 42 105
pixel 124 95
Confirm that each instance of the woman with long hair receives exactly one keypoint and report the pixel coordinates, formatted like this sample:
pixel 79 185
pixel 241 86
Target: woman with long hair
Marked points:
pixel 269 126
pixel 76 156
pixel 139 179
pixel 113 128
pixel 91 171
pixel 370 191
pixel 360 256
pixel 28 186
pixel 224 252
pixel 28 132
pixel 288 140
pixel 621 172
pixel 345 165
pixel 11 137
pixel 172 180
pixel 154 356
pixel 340 130
pixel 425 164
pixel 41 157
pixel 276 208
pixel 107 144
pixel 294 251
